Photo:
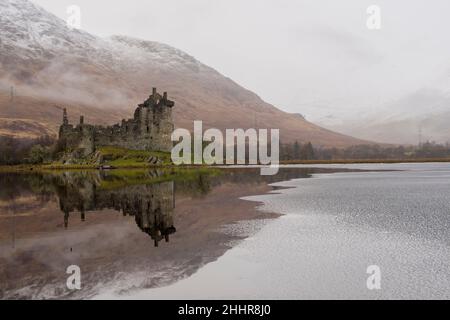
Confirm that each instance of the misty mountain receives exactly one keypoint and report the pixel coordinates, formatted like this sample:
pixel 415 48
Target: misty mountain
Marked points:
pixel 420 116
pixel 52 66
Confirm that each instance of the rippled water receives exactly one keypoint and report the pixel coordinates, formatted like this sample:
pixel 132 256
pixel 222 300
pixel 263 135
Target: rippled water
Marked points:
pixel 124 229
pixel 334 226
pixel 189 237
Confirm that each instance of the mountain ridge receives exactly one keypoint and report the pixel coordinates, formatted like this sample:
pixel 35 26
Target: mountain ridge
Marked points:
pixel 49 63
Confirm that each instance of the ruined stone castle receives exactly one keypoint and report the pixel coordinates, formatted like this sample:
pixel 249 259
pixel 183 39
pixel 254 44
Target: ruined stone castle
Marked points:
pixel 150 129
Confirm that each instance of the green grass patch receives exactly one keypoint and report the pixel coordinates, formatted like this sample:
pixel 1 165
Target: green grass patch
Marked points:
pixel 121 157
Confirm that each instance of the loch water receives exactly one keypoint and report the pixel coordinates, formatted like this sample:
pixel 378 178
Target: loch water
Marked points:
pixel 306 233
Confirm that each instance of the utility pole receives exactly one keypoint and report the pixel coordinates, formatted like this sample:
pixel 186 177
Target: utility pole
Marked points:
pixel 12 94
pixel 420 135
pixel 14 230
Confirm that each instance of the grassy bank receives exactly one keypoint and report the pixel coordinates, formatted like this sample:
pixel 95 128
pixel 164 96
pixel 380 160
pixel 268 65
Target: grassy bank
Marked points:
pixel 58 167
pixel 111 156
pixel 120 157
pixel 121 160
pixel 114 157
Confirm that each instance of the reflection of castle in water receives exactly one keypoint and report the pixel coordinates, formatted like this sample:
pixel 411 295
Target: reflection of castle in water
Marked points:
pixel 151 205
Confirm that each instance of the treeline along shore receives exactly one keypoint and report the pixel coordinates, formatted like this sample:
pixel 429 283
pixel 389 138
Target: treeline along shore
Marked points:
pixel 45 151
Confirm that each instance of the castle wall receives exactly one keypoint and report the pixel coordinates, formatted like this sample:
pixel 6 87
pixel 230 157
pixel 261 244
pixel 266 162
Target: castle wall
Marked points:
pixel 150 129
pixel 78 139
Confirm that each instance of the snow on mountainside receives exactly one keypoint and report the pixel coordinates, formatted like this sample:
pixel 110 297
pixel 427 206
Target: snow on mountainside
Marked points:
pixel 34 33
pixel 42 33
pixel 52 65
pixel 153 52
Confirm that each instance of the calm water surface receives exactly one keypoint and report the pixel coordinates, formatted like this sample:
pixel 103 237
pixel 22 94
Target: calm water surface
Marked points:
pixel 191 236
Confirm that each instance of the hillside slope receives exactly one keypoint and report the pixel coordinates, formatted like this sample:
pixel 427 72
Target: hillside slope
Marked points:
pixel 105 79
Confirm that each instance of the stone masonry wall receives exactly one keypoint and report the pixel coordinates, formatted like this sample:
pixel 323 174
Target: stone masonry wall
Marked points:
pixel 150 129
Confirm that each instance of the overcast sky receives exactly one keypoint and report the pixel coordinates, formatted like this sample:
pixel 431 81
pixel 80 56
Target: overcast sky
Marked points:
pixel 314 57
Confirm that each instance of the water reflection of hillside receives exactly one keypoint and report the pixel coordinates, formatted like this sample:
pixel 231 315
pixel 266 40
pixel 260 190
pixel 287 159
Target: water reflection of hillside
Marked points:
pixel 108 246
pixel 146 195
pixel 22 194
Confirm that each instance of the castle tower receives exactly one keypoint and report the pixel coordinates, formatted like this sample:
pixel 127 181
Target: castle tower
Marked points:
pixel 162 123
